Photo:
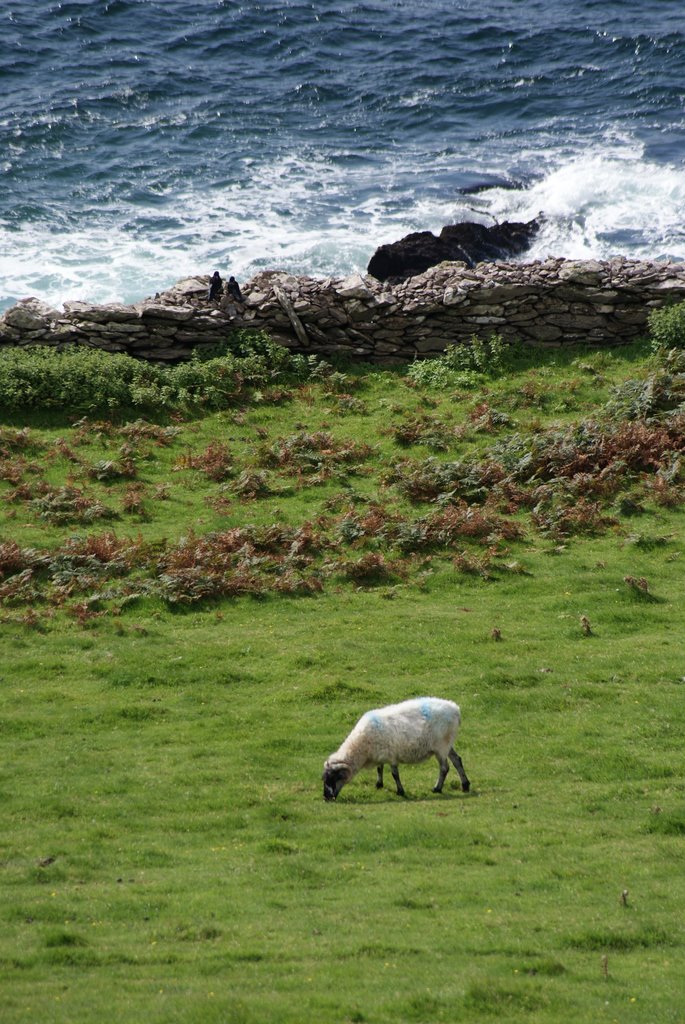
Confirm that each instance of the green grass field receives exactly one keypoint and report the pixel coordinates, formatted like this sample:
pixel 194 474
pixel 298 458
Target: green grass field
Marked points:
pixel 196 609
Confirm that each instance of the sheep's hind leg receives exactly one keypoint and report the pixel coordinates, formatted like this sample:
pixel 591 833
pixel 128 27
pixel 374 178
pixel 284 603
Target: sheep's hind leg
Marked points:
pixel 444 768
pixel 396 776
pixel 457 762
pixel 379 780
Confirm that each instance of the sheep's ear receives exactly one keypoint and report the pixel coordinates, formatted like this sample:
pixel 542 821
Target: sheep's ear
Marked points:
pixel 334 773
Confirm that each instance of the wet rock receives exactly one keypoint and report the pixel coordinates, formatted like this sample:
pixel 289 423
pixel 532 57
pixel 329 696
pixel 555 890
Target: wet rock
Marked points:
pixel 468 242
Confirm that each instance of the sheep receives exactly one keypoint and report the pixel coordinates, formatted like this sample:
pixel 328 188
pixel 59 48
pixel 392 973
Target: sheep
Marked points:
pixel 403 733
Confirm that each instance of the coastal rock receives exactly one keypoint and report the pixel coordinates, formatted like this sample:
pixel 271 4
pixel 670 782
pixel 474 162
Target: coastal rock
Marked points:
pixel 469 242
pixel 411 256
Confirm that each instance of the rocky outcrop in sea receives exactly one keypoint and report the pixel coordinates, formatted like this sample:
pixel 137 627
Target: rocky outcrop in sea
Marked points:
pixel 467 242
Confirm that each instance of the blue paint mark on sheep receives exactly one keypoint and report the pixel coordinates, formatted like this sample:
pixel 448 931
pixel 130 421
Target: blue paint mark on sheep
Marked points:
pixel 427 710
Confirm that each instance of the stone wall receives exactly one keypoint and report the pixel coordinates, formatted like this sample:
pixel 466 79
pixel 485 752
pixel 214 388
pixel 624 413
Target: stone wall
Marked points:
pixel 555 302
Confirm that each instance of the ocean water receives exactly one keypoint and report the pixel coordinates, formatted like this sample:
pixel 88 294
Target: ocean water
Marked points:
pixel 145 140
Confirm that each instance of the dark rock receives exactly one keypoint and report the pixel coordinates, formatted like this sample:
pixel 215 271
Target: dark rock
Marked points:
pixel 478 243
pixel 492 182
pixel 410 256
pixel 469 243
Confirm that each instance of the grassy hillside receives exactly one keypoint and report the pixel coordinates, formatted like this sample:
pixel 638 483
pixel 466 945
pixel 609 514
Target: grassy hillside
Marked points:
pixel 195 608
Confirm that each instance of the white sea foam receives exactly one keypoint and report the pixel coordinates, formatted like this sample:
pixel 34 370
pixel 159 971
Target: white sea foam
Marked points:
pixel 99 264
pixel 307 214
pixel 602 204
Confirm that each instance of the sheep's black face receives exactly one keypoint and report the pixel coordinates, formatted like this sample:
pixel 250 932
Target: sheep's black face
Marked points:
pixel 333 781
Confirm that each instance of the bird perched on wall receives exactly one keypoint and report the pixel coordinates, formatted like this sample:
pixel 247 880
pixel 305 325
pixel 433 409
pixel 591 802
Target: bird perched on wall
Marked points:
pixel 233 289
pixel 215 286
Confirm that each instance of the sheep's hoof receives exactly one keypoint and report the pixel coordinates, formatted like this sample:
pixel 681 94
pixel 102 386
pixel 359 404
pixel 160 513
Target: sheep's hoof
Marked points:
pixel 437 789
pixel 465 787
pixel 400 792
pixel 379 785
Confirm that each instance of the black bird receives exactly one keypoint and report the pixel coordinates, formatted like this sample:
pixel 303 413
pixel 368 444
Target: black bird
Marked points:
pixel 215 286
pixel 233 289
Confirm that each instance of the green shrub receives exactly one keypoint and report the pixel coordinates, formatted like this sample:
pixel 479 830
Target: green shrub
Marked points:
pixel 660 393
pixel 463 365
pixel 213 383
pixel 481 355
pixel 667 327
pixel 436 373
pixel 82 380
pixel 258 354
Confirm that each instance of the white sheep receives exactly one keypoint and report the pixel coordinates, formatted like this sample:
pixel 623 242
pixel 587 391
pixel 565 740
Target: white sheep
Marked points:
pixel 403 733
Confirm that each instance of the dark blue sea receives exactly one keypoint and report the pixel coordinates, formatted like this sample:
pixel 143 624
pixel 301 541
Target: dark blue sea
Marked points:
pixel 146 140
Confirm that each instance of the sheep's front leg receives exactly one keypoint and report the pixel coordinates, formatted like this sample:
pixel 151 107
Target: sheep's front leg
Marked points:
pixel 456 761
pixel 396 777
pixel 379 780
pixel 444 768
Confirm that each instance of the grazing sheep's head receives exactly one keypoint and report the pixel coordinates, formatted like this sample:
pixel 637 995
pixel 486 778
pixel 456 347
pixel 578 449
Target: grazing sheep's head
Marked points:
pixel 335 775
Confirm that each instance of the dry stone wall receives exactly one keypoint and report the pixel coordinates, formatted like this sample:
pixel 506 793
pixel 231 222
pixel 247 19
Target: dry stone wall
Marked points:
pixel 555 302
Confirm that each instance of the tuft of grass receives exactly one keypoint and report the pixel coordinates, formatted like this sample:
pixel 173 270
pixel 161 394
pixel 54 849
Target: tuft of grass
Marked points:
pixel 492 999
pixel 667 823
pixel 619 940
